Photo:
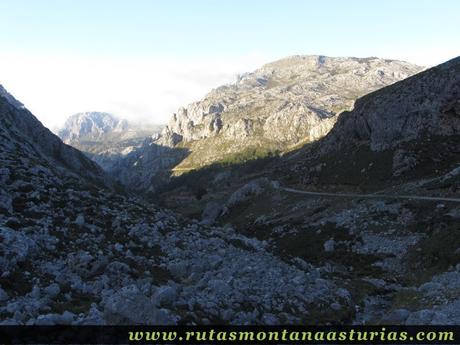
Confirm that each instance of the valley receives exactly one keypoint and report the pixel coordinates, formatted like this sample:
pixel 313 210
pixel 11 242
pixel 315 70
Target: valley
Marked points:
pixel 314 190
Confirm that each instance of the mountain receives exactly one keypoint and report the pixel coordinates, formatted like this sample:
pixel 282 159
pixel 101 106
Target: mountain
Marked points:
pixel 90 126
pixel 104 137
pixel 76 252
pixel 277 108
pixel 376 202
pixel 284 103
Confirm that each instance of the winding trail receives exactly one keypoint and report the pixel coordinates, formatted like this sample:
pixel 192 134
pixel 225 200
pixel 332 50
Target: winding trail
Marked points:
pixel 370 196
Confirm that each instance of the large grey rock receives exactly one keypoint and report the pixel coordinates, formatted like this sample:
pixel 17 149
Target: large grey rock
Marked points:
pixel 252 188
pixel 15 247
pixel 329 245
pixel 66 318
pixel 211 212
pixel 3 295
pixel 403 161
pixel 129 305
pixel 52 290
pixel 165 295
pixel 396 317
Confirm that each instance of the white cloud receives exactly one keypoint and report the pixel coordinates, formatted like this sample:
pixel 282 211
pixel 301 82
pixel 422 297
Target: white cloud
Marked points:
pixel 53 88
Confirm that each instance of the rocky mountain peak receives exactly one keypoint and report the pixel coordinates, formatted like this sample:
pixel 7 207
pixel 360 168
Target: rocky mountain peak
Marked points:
pixel 273 109
pixel 288 101
pixel 91 125
pixel 104 137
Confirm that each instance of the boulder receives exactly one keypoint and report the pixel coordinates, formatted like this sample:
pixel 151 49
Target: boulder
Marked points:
pixel 131 306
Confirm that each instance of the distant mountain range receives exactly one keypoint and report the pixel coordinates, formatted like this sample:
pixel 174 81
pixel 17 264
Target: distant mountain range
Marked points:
pixel 104 137
pixel 272 110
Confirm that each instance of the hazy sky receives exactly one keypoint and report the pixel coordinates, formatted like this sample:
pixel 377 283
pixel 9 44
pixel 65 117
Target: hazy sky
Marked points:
pixel 142 59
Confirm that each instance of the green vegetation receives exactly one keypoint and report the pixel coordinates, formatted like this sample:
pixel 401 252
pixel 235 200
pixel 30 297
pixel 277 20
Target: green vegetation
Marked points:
pixel 248 154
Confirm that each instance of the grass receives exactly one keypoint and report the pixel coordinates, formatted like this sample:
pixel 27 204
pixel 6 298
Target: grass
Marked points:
pixel 248 154
pixel 437 251
pixel 80 303
pixel 408 299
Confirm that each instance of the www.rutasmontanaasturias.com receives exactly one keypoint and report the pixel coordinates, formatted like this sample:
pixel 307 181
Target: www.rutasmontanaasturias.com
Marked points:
pixel 290 336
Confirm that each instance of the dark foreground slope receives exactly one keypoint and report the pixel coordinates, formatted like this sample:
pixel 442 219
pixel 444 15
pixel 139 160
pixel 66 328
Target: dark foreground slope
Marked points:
pixel 23 134
pixel 72 252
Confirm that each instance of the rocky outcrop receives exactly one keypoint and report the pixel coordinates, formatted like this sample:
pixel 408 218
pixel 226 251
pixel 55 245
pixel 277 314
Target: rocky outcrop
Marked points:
pixel 423 105
pixel 11 100
pixel 406 130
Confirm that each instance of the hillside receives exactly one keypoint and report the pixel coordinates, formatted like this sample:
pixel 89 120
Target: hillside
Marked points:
pixel 24 134
pixel 406 131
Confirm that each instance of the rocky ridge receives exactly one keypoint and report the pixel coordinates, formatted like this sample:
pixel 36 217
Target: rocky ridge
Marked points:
pixel 422 105
pixel 404 130
pixel 288 101
pixel 21 131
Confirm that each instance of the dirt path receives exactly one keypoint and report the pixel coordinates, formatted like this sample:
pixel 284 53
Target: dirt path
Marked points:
pixel 371 196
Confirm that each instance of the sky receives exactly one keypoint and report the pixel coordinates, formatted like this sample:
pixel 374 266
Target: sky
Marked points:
pixel 143 59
